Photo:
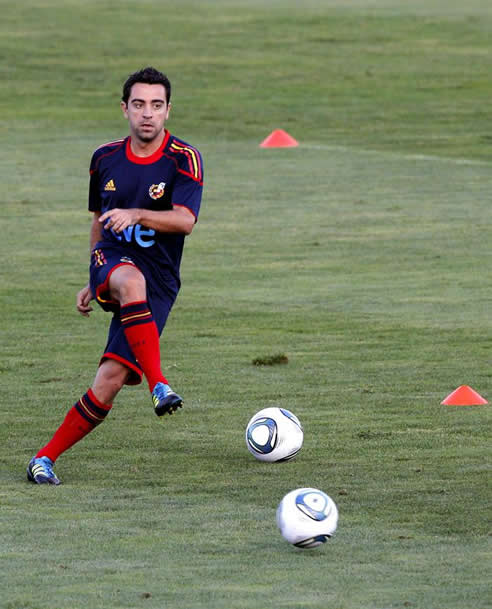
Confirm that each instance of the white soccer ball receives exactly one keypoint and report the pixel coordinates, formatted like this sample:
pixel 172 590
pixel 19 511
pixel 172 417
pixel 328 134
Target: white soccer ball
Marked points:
pixel 274 434
pixel 307 517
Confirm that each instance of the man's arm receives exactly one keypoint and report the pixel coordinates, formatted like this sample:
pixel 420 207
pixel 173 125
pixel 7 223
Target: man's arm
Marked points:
pixel 175 220
pixel 85 295
pixel 96 230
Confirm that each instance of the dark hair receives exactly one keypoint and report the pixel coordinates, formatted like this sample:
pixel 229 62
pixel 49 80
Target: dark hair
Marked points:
pixel 147 76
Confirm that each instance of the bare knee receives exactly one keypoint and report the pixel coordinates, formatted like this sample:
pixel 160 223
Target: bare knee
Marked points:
pixel 110 378
pixel 127 284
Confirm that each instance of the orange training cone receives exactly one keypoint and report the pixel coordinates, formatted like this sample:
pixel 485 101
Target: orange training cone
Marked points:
pixel 279 139
pixel 464 396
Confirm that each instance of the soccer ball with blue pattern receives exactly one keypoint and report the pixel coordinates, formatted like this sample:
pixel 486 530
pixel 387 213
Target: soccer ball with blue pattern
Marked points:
pixel 274 434
pixel 307 517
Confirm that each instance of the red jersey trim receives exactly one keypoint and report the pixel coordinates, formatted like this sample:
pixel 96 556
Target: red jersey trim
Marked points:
pixel 113 143
pixel 193 158
pixel 146 160
pixel 184 207
pixel 115 146
pixel 179 170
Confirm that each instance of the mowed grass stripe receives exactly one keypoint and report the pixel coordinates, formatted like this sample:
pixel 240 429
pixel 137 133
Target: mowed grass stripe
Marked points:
pixel 411 157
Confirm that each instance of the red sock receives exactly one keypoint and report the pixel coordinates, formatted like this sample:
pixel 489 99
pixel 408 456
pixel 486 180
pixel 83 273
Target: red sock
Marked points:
pixel 142 336
pixel 81 419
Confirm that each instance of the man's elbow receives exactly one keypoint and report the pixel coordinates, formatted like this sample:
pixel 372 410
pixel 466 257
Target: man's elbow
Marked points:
pixel 187 220
pixel 188 225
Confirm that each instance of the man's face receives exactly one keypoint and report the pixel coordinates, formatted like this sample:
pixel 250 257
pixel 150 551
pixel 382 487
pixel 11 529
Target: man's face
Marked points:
pixel 146 111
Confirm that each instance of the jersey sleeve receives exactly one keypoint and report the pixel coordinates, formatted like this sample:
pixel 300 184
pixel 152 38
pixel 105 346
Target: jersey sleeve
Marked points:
pixel 94 192
pixel 188 186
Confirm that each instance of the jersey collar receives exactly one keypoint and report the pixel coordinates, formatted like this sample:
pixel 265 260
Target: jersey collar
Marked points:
pixel 146 160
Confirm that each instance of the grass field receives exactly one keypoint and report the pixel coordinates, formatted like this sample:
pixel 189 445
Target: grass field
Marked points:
pixel 363 255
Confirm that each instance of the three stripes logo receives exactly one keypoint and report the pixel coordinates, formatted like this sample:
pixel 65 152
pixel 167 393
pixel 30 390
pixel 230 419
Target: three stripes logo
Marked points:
pixel 193 165
pixel 110 186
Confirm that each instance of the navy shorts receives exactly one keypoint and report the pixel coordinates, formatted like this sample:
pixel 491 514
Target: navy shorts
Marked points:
pixel 104 260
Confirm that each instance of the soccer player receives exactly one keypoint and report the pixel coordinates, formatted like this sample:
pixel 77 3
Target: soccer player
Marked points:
pixel 145 192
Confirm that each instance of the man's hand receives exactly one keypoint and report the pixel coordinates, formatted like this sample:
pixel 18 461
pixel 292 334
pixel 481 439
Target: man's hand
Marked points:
pixel 119 219
pixel 83 299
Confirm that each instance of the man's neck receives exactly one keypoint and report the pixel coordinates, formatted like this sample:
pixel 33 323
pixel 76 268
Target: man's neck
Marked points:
pixel 140 148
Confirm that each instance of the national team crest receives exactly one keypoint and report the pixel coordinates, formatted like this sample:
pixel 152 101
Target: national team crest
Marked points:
pixel 157 190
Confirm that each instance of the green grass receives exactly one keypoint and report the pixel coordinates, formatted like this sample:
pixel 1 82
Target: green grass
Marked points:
pixel 361 257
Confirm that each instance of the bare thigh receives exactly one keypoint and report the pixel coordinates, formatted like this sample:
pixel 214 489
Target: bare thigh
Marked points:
pixel 127 284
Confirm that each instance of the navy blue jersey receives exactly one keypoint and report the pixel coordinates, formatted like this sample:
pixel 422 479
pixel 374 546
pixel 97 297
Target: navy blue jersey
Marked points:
pixel 173 175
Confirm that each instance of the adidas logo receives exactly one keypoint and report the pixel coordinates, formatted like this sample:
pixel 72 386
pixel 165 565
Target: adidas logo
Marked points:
pixel 110 186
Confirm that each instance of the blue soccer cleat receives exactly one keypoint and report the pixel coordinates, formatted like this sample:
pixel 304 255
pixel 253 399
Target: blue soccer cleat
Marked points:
pixel 165 399
pixel 40 471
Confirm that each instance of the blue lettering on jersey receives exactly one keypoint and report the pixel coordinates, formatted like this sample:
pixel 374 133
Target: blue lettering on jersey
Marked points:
pixel 137 233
